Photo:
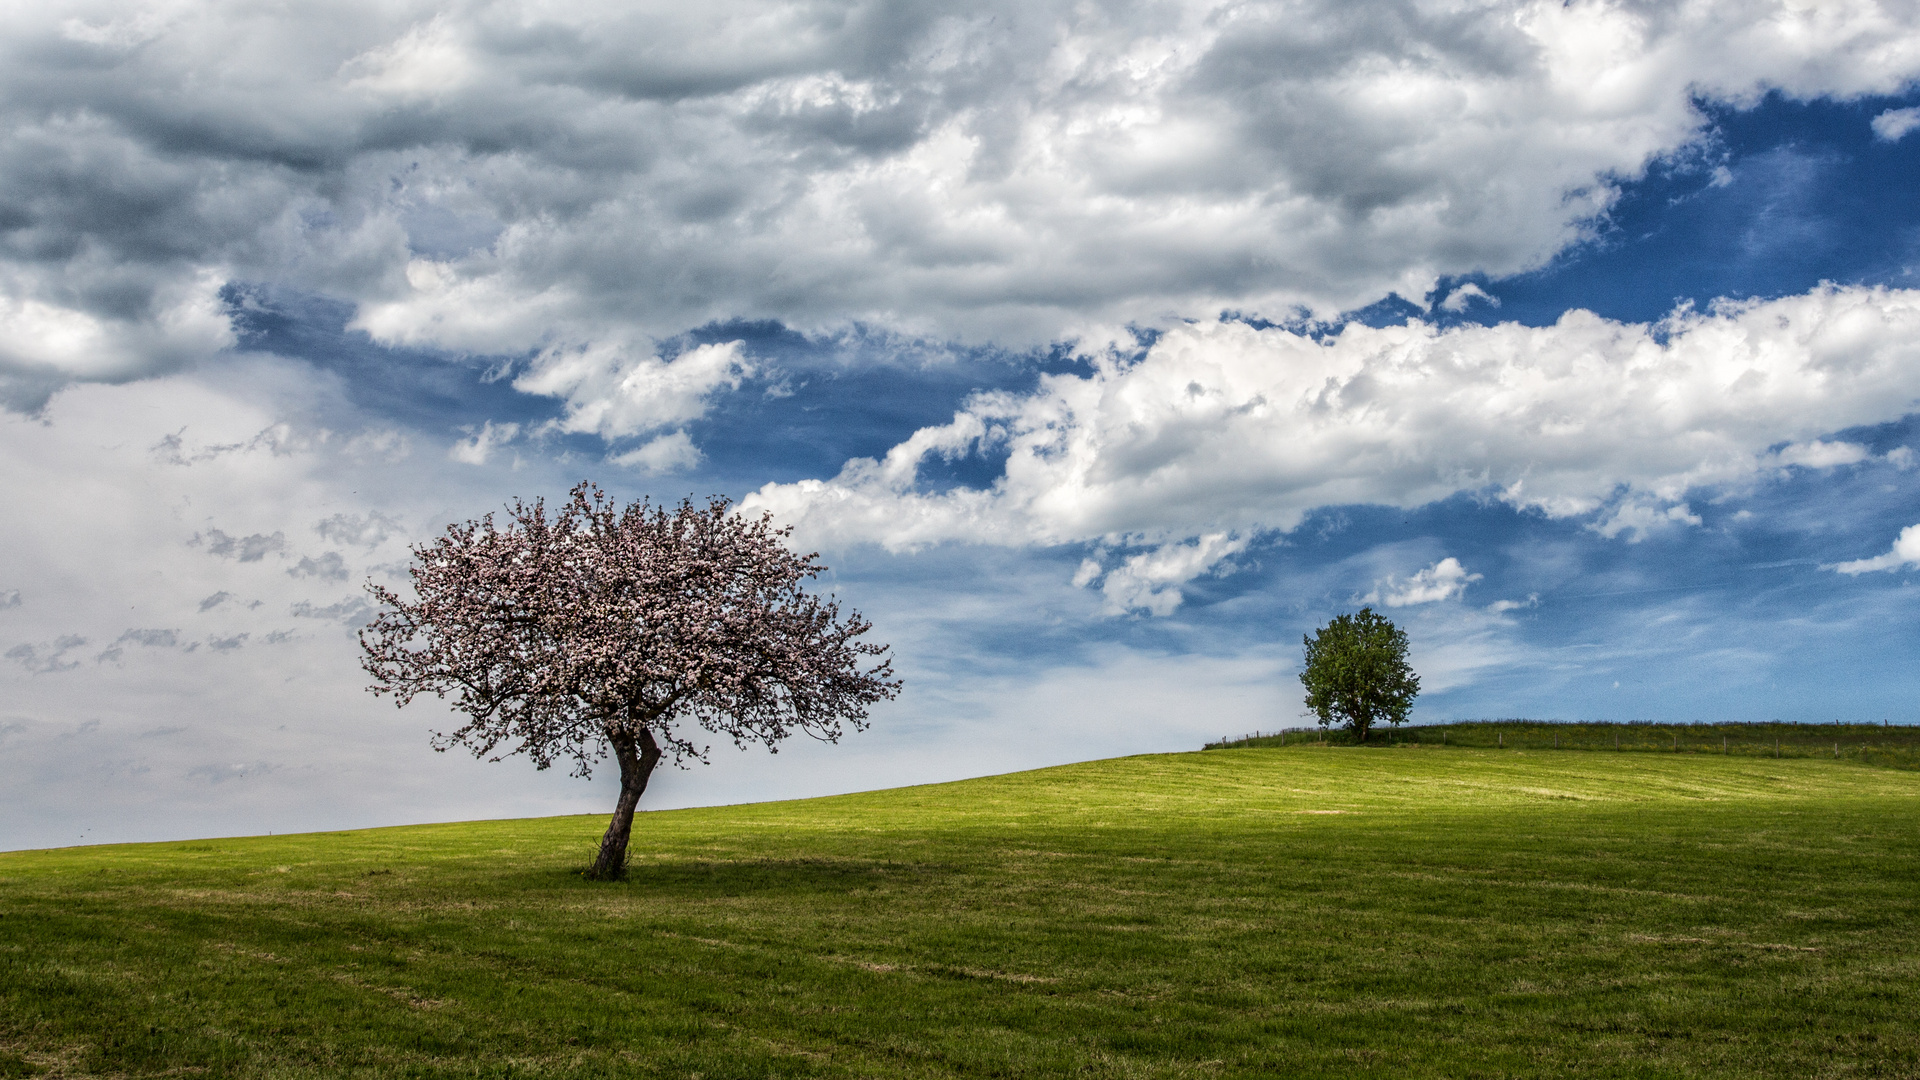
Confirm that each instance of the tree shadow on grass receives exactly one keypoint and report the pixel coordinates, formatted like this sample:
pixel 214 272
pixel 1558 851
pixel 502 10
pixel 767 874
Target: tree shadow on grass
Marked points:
pixel 813 875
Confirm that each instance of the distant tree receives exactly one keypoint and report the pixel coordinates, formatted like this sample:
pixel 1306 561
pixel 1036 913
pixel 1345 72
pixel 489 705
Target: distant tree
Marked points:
pixel 1356 673
pixel 622 630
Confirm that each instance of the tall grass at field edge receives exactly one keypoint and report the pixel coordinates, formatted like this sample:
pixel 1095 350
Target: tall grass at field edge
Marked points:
pixel 1883 745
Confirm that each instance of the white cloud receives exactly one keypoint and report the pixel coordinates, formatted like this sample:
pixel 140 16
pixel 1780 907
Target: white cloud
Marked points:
pixel 1223 428
pixel 1822 455
pixel 1905 552
pixel 478 446
pixel 1443 580
pixel 43 344
pixel 1501 607
pixel 1893 125
pixel 1459 299
pixel 664 454
pixel 429 61
pixel 614 394
pixel 503 176
pixel 1638 518
pixel 1151 581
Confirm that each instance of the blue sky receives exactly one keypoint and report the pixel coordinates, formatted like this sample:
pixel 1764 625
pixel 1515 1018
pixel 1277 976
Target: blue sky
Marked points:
pixel 1102 352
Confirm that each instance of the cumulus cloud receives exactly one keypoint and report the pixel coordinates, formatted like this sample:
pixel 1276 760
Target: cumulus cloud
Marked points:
pixel 1636 518
pixel 45 342
pixel 613 394
pixel 1151 580
pixel 1443 580
pixel 1817 454
pixel 479 445
pixel 665 454
pixel 1222 428
pixel 1022 172
pixel 1463 297
pixel 1893 125
pixel 1905 552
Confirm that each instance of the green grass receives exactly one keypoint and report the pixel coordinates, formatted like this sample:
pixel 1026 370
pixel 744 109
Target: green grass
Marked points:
pixel 1309 912
pixel 1871 744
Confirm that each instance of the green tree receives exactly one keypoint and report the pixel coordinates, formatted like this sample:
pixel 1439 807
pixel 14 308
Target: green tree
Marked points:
pixel 1356 673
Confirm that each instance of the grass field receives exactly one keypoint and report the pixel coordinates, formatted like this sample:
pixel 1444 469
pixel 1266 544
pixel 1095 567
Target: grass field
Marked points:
pixel 1871 744
pixel 1256 912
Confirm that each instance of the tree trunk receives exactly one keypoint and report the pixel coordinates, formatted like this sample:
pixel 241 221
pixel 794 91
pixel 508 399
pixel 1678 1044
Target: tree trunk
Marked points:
pixel 637 757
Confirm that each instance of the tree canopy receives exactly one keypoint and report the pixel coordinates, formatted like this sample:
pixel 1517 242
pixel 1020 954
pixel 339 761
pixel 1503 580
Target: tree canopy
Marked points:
pixel 1356 672
pixel 628 631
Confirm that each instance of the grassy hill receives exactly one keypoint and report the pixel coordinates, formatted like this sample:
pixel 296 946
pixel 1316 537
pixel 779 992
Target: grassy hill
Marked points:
pixel 1255 912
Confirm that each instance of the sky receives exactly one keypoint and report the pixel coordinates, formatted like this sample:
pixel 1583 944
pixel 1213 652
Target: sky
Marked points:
pixel 1102 350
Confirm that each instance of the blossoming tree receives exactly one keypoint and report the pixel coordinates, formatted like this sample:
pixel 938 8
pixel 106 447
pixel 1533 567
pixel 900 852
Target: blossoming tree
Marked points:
pixel 624 630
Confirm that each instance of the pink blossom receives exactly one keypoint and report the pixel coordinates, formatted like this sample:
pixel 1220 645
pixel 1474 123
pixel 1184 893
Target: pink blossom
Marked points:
pixel 624 631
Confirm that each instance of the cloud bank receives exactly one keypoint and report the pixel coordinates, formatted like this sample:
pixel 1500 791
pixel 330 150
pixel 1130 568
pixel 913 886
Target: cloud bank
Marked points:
pixel 514 178
pixel 1222 430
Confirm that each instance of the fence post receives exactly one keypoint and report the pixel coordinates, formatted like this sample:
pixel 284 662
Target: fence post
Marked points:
pixel 1500 739
pixel 1616 740
pixel 1723 744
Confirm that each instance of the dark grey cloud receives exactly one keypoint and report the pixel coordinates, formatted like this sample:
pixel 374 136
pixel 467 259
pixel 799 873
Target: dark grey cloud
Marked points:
pixel 244 549
pixel 48 656
pixel 151 639
pixel 352 609
pixel 505 179
pixel 328 567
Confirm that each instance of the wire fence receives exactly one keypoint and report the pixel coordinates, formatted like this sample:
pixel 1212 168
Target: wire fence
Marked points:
pixel 1883 744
